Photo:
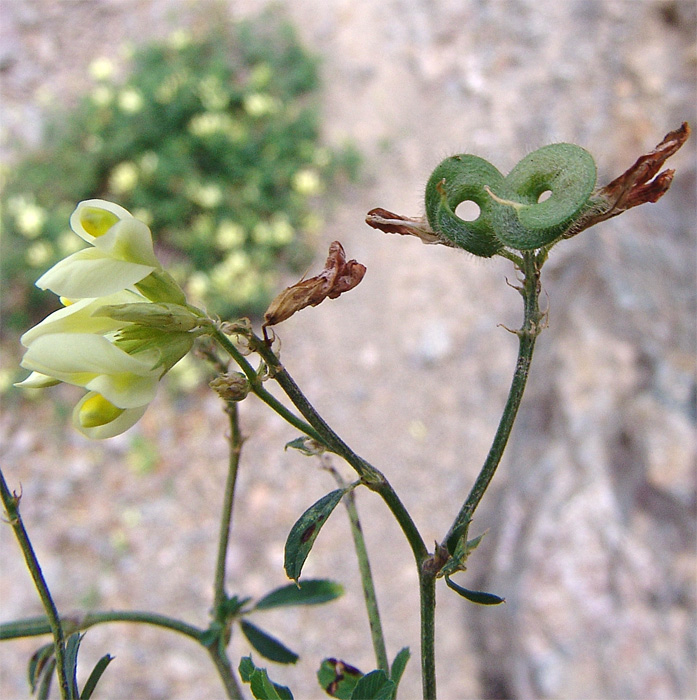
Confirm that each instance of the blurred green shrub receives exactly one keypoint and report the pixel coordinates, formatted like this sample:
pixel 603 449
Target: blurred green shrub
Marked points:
pixel 212 140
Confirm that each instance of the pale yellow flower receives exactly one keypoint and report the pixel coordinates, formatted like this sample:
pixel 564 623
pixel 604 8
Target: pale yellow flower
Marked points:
pixel 124 177
pixel 101 68
pixel 130 100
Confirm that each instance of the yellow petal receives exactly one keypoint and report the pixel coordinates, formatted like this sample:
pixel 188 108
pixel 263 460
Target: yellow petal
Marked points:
pixel 96 411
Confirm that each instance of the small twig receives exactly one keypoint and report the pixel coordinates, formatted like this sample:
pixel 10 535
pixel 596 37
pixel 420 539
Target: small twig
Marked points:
pixel 11 503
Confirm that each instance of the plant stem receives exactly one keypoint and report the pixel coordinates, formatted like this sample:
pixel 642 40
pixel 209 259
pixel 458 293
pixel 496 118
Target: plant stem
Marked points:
pixel 258 387
pixel 11 503
pixel 533 323
pixel 225 671
pixel 369 594
pixel 427 600
pixel 218 650
pixel 35 626
pixel 228 501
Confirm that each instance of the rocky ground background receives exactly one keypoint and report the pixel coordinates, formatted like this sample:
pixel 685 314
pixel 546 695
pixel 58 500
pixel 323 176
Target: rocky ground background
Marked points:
pixel 592 517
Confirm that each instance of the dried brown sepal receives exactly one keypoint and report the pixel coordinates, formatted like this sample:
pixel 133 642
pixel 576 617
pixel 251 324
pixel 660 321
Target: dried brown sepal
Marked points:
pixel 640 184
pixel 388 222
pixel 338 276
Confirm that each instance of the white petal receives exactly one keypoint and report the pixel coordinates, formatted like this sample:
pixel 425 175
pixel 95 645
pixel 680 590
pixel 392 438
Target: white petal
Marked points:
pixel 77 217
pixel 36 380
pixel 79 317
pixel 128 240
pixel 61 354
pixel 91 273
pixel 125 390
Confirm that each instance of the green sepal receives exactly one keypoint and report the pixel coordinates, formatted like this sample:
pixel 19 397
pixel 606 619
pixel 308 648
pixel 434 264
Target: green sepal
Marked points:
pixel 95 676
pixel 160 286
pixel 269 647
pixel 479 597
pixel 231 606
pixel 304 532
pixel 462 549
pixel 374 686
pixel 308 592
pixel 338 679
pixel 165 316
pixel 306 445
pixel 455 539
pixel 263 688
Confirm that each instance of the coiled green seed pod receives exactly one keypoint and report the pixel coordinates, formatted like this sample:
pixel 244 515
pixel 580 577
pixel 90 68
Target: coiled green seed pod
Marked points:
pixel 511 212
pixel 523 222
pixel 458 179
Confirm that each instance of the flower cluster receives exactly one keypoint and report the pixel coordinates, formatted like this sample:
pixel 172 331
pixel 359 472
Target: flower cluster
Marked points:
pixel 124 324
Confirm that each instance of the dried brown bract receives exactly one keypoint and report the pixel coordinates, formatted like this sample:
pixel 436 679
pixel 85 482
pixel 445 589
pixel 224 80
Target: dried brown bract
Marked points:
pixel 388 222
pixel 338 276
pixel 640 184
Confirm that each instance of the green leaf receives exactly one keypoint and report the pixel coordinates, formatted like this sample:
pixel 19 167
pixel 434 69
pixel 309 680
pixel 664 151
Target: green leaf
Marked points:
pixel 37 664
pixel 269 647
pixel 479 597
pixel 398 665
pixel 70 663
pixel 263 688
pixel 304 533
pixel 374 686
pixel 45 686
pixel 96 674
pixel 338 679
pixel 246 668
pixel 309 592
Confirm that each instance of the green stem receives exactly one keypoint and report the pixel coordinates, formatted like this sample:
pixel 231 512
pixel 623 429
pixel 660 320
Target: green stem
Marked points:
pixel 369 594
pixel 427 600
pixel 225 671
pixel 11 503
pixel 533 323
pixel 258 387
pixel 35 626
pixel 217 650
pixel 228 501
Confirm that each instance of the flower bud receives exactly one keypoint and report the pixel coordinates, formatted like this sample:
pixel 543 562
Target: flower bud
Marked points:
pixel 231 387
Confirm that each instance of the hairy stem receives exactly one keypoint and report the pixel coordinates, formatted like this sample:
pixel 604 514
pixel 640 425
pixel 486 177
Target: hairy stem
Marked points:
pixel 427 600
pixel 533 323
pixel 11 503
pixel 228 502
pixel 217 650
pixel 369 594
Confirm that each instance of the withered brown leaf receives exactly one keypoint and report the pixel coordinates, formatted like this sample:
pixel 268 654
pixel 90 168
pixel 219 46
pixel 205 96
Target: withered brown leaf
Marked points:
pixel 640 184
pixel 338 276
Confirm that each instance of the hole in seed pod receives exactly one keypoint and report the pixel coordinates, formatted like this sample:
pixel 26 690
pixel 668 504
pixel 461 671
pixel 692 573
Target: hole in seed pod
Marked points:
pixel 544 196
pixel 467 210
